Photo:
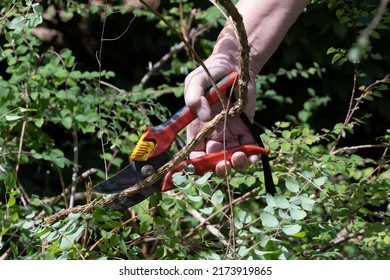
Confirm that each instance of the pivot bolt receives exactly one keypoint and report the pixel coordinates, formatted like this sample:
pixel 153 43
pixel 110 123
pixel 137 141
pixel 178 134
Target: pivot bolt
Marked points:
pixel 147 170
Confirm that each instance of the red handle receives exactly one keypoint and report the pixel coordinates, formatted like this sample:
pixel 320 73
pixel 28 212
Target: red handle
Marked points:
pixel 163 135
pixel 208 162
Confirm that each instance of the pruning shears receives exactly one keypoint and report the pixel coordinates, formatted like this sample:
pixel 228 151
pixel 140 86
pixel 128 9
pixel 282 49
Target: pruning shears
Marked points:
pixel 150 153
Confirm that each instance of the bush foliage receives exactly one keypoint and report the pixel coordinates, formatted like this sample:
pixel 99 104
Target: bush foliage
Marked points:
pixel 64 126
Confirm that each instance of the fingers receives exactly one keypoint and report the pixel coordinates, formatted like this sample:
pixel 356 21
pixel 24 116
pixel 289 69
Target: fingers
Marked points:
pixel 233 136
pixel 195 85
pixel 239 161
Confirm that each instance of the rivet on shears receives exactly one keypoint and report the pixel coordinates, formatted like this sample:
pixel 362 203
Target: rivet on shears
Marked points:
pixel 147 170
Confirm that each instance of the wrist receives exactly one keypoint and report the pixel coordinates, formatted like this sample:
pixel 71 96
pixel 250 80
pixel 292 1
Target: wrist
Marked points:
pixel 227 48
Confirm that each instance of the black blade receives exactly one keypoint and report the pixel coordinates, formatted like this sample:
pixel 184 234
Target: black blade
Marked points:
pixel 130 175
pixel 138 197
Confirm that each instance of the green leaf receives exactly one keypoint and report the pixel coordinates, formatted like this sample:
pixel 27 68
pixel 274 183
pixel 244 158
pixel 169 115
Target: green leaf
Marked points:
pixel 10 181
pixel 27 224
pixel 270 200
pixel 376 56
pixel 207 210
pixel 286 134
pixel 244 217
pixel 74 216
pixel 179 179
pixel 292 185
pixel 283 124
pixel 268 220
pixel 250 180
pixel 82 118
pixel 39 122
pixel 307 203
pixel 16 23
pixel 61 73
pixel 281 201
pixel 297 214
pixel 2 54
pixel 217 197
pixel 320 181
pixel 11 200
pixel 203 180
pixel 33 20
pixel 35 201
pixel 291 229
pixel 195 198
pixel 11 118
pixel 67 122
pixel 286 147
pixel 161 221
pixel 283 214
pixel 303 115
pixel 299 234
pixel 254 230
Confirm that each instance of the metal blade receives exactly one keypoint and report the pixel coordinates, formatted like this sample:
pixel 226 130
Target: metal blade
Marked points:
pixel 130 175
pixel 138 197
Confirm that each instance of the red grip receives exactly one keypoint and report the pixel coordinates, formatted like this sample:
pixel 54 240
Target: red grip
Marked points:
pixel 208 162
pixel 163 135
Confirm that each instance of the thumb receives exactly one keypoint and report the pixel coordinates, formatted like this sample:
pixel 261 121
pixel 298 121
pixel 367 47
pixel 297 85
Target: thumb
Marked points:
pixel 194 96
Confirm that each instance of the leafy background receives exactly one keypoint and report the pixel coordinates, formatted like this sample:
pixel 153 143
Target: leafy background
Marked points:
pixel 80 80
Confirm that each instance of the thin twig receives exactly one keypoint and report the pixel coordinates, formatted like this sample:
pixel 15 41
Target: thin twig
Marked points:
pixel 212 229
pixel 368 146
pixel 353 107
pixel 121 35
pixel 75 166
pixel 20 146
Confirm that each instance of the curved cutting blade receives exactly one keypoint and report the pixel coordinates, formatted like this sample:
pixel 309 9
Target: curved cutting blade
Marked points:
pixel 129 176
pixel 138 197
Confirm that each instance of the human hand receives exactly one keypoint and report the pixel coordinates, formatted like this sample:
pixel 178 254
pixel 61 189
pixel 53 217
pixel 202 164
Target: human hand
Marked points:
pixel 226 135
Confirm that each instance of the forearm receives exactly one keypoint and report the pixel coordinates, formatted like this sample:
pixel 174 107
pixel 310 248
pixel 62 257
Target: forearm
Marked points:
pixel 266 23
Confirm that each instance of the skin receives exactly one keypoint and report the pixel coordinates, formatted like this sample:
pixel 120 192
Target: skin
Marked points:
pixel 266 23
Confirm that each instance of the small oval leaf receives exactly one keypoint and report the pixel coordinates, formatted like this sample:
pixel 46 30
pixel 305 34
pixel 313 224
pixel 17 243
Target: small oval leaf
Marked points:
pixel 268 220
pixel 292 185
pixel 291 229
pixel 281 201
pixel 298 214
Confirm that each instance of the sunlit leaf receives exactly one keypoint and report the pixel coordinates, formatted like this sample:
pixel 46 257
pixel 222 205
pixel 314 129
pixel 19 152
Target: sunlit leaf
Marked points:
pixel 297 214
pixel 268 220
pixel 292 185
pixel 281 201
pixel 291 229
